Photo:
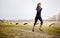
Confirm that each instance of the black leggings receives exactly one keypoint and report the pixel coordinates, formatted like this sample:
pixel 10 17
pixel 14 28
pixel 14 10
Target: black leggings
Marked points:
pixel 36 19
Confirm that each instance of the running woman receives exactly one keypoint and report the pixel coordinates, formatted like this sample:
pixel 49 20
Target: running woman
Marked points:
pixel 38 16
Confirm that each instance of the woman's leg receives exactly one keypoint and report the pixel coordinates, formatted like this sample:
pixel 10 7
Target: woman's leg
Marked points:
pixel 41 24
pixel 41 21
pixel 36 18
pixel 35 23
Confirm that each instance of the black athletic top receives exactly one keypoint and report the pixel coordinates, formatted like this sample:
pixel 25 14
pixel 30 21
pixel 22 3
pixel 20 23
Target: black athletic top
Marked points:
pixel 38 12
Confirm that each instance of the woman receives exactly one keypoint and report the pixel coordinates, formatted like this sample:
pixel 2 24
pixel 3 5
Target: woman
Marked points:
pixel 38 16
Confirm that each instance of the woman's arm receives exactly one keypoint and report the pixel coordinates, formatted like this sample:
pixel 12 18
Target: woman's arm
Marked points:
pixel 38 9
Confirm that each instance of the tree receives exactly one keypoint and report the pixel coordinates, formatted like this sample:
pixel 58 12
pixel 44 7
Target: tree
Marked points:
pixel 58 16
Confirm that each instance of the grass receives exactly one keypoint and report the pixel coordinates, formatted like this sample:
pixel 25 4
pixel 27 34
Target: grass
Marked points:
pixel 17 31
pixel 52 30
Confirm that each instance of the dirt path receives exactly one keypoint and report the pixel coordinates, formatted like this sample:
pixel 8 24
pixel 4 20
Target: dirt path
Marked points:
pixel 35 33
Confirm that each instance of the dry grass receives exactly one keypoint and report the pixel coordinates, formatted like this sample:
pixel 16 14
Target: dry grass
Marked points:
pixel 24 31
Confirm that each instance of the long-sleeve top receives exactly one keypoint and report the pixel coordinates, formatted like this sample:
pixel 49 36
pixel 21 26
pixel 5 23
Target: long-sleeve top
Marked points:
pixel 38 12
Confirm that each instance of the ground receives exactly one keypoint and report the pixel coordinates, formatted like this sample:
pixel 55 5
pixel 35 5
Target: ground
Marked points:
pixel 11 30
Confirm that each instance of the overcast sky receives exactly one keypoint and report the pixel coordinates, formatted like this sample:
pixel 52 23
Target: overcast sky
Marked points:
pixel 26 9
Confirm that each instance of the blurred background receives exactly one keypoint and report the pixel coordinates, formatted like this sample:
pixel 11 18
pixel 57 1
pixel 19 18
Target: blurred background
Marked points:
pixel 26 9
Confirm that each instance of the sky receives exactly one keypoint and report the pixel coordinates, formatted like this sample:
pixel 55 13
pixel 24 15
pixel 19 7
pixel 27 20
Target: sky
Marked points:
pixel 26 9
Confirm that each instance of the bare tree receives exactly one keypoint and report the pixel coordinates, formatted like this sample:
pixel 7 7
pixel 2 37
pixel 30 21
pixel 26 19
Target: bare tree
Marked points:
pixel 53 18
pixel 58 16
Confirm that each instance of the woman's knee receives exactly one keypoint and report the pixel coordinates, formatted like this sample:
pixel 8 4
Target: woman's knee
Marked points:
pixel 41 22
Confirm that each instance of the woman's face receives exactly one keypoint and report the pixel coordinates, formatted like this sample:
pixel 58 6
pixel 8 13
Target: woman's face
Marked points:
pixel 39 5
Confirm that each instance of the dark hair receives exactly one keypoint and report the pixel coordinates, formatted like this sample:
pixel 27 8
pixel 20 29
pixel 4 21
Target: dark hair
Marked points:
pixel 38 5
